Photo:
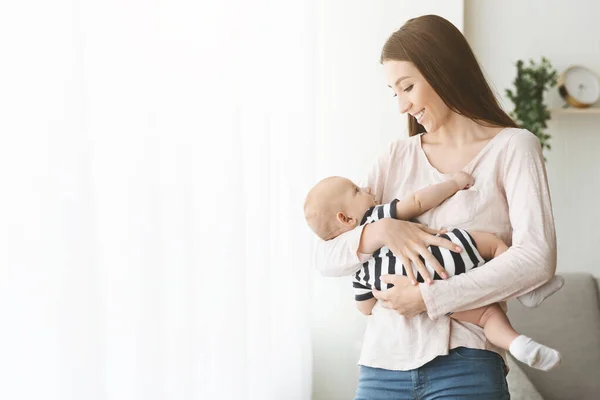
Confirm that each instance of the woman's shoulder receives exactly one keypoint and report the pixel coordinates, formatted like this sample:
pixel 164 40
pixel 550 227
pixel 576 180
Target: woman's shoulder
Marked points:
pixel 404 145
pixel 520 140
pixel 518 147
pixel 398 152
pixel 520 135
pixel 514 141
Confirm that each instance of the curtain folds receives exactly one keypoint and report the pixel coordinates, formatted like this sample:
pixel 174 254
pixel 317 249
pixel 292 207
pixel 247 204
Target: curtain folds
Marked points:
pixel 155 157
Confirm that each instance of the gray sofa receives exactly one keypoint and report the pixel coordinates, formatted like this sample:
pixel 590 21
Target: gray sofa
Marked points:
pixel 570 322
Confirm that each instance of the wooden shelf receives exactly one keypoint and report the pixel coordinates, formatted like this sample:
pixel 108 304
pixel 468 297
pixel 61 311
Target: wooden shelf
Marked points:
pixel 571 110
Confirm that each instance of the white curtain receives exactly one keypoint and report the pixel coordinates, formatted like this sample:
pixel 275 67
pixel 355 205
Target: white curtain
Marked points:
pixel 154 156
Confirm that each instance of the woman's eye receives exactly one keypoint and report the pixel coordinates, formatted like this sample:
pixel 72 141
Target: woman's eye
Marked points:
pixel 408 88
pixel 395 95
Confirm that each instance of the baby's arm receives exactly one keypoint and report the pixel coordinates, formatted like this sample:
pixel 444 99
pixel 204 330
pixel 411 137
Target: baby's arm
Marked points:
pixel 431 196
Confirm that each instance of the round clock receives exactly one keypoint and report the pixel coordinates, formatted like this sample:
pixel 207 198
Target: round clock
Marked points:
pixel 579 86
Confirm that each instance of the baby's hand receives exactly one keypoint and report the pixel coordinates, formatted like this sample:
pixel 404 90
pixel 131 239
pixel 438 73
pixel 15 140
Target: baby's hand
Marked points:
pixel 463 180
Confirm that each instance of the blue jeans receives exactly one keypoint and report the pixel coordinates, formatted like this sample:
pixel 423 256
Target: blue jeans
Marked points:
pixel 463 374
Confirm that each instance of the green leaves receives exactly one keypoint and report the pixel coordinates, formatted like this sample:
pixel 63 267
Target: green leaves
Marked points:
pixel 530 111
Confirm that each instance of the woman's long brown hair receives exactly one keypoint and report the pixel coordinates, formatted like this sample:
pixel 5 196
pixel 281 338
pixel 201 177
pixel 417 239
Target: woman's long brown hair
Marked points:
pixel 441 53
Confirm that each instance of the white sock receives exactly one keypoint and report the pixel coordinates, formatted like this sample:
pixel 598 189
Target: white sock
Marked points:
pixel 534 354
pixel 537 296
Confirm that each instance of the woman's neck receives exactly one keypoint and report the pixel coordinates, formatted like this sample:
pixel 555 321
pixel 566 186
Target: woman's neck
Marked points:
pixel 459 131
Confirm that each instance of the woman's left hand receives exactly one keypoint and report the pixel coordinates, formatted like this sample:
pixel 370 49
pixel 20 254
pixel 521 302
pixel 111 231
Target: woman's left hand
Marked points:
pixel 405 298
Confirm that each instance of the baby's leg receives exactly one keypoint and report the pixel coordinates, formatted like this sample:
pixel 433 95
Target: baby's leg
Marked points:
pixel 366 306
pixel 494 322
pixel 499 331
pixel 490 246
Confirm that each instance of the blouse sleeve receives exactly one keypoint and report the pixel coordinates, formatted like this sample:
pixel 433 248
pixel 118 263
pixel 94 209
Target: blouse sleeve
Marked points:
pixel 530 261
pixel 339 256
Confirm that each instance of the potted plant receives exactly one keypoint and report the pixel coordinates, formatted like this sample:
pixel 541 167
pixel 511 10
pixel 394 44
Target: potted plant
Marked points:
pixel 530 84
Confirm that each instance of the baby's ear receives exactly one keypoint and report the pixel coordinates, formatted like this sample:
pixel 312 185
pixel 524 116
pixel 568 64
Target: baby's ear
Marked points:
pixel 345 219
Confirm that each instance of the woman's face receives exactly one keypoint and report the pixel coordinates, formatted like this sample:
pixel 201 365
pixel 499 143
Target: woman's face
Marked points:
pixel 415 95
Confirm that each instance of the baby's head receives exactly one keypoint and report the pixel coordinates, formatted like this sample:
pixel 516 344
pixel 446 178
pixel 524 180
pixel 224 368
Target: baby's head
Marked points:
pixel 336 205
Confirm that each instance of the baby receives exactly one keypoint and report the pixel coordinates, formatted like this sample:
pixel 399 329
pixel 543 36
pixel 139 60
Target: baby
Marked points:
pixel 336 205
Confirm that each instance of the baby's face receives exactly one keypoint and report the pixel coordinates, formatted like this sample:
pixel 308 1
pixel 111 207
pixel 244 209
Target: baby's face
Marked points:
pixel 356 200
pixel 336 205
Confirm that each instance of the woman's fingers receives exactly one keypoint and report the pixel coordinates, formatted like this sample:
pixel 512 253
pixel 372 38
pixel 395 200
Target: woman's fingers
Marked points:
pixel 433 262
pixel 423 251
pixel 409 242
pixel 403 297
pixel 408 268
pixel 387 296
pixel 387 304
pixel 438 241
pixel 380 295
pixel 429 230
pixel 414 256
pixel 441 242
pixel 394 279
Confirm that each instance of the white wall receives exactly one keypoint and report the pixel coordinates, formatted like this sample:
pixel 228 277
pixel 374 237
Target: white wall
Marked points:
pixel 566 33
pixel 356 119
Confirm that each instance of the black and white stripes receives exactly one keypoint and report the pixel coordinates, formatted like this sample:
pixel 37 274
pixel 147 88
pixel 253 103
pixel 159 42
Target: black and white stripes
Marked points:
pixel 384 262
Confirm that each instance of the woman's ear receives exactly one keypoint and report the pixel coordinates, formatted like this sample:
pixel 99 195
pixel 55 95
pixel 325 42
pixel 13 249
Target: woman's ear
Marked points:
pixel 345 219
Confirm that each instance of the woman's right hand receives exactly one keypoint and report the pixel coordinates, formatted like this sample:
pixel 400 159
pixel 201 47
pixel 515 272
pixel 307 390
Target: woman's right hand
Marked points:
pixel 408 241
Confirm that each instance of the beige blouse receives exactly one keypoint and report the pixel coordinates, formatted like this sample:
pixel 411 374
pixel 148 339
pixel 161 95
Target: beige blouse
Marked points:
pixel 510 198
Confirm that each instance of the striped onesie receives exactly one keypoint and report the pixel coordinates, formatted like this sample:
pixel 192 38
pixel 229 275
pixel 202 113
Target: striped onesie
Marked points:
pixel 383 261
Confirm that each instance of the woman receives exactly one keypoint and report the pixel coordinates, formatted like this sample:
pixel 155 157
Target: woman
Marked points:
pixel 411 348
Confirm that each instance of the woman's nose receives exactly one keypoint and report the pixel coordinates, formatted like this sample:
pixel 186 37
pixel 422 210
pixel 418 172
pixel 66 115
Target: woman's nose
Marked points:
pixel 404 106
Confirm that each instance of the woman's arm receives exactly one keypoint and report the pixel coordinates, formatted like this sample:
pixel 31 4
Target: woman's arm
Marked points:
pixel 344 254
pixel 530 261
pixel 339 256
